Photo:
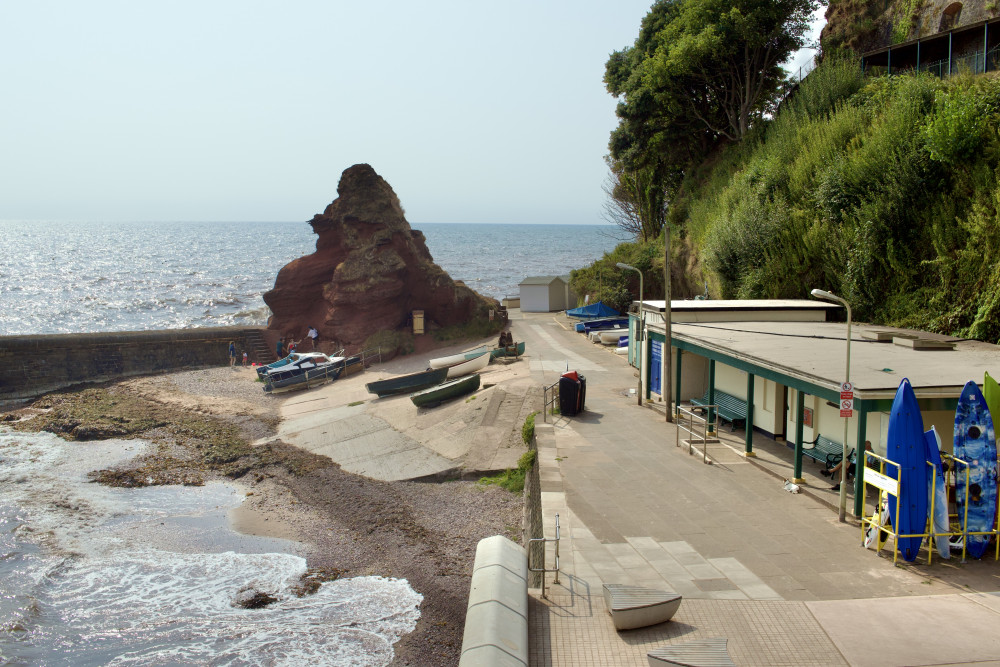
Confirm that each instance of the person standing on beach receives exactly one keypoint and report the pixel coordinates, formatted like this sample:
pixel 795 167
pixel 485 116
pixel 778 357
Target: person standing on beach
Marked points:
pixel 245 359
pixel 232 353
pixel 279 348
pixel 313 336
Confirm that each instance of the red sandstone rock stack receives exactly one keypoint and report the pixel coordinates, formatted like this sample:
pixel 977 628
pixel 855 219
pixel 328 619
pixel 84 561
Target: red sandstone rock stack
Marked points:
pixel 369 273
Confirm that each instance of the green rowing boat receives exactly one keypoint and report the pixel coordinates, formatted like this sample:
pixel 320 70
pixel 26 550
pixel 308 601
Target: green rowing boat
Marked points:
pixel 429 398
pixel 407 383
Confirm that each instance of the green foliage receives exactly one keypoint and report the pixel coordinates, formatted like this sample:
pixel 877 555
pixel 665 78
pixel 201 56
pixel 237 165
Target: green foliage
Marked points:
pixel 513 479
pixel 883 190
pixel 955 128
pixel 391 342
pixel 478 327
pixel 528 428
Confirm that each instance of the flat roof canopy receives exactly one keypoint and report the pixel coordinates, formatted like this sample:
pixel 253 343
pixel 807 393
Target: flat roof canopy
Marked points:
pixel 814 352
pixel 684 305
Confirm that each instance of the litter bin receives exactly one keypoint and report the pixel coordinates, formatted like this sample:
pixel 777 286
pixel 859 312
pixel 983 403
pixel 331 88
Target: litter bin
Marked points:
pixel 572 393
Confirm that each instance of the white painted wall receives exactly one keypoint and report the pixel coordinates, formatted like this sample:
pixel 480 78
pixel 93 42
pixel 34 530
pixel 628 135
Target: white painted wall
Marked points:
pixel 535 298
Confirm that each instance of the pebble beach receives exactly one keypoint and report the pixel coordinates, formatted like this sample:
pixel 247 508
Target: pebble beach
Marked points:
pixel 345 526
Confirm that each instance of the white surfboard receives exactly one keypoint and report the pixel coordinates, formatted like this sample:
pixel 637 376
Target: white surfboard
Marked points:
pixel 937 493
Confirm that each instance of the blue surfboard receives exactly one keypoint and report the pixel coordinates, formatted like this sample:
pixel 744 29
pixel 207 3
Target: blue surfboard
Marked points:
pixel 905 445
pixel 975 443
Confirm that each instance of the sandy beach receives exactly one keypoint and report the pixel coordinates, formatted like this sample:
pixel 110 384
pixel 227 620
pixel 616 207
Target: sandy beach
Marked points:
pixel 218 424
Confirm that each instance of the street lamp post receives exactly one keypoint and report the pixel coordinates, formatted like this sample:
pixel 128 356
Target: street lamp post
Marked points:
pixel 828 296
pixel 642 350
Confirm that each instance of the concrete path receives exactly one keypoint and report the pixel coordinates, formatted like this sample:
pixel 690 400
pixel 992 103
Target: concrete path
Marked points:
pixel 774 572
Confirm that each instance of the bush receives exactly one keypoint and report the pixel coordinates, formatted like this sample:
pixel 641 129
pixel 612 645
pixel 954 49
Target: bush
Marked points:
pixel 391 342
pixel 513 479
pixel 528 429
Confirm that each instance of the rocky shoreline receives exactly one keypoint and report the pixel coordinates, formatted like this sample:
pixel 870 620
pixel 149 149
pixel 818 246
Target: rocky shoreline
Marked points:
pixel 218 424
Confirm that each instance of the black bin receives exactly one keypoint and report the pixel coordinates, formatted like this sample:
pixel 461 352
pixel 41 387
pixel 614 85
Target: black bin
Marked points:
pixel 572 393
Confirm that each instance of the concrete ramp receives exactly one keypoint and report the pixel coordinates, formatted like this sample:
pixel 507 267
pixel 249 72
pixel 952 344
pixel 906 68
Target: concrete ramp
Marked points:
pixel 362 444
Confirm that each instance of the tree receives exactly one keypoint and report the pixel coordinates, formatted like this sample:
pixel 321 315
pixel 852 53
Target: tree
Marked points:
pixel 636 201
pixel 700 72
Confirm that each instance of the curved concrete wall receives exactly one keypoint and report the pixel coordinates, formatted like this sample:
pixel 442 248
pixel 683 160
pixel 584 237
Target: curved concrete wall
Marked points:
pixel 496 623
pixel 33 365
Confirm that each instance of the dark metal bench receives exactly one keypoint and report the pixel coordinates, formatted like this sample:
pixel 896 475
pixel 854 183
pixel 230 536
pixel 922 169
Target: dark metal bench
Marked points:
pixel 730 408
pixel 823 450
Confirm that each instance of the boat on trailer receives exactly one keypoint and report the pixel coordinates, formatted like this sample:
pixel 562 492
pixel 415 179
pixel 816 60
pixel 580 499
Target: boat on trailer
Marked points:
pixel 307 371
pixel 515 350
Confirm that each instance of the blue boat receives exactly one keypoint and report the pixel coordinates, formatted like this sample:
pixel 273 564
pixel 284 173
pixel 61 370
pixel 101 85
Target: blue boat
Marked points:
pixel 599 309
pixel 600 323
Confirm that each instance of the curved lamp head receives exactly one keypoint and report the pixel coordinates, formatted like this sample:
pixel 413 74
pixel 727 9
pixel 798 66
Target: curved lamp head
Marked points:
pixel 621 265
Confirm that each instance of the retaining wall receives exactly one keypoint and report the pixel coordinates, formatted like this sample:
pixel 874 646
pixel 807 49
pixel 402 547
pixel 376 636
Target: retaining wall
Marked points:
pixel 33 365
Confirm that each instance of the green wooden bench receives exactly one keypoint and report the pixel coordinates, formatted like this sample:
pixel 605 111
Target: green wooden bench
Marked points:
pixel 825 451
pixel 731 409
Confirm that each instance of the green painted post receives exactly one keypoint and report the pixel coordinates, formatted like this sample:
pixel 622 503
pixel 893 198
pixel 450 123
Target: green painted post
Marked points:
pixel 749 436
pixel 677 387
pixel 711 387
pixel 986 45
pixel 888 62
pixel 949 54
pixel 799 416
pixel 918 56
pixel 859 467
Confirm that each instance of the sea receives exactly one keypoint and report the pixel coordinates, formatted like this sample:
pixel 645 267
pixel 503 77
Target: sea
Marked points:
pixel 76 277
pixel 93 575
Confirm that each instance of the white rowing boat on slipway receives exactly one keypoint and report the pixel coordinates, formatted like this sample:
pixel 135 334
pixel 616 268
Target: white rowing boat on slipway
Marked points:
pixel 611 336
pixel 471 366
pixel 459 358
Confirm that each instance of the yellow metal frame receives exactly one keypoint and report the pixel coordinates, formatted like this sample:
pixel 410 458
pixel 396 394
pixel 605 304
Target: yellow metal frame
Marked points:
pixel 889 486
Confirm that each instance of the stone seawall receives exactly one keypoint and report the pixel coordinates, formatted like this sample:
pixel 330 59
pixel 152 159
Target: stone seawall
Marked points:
pixel 33 365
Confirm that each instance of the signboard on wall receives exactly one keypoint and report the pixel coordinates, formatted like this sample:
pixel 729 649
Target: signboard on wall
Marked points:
pixel 807 417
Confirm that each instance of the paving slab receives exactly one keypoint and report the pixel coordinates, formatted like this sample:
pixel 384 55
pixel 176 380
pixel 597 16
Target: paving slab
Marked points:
pixel 911 631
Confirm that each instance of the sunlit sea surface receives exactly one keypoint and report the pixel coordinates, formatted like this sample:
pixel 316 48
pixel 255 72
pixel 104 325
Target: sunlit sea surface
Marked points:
pixel 62 277
pixel 92 575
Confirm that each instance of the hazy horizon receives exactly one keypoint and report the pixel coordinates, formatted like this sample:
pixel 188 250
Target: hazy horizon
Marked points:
pixel 247 111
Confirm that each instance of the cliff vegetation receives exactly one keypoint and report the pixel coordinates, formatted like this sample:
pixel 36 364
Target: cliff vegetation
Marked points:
pixel 881 189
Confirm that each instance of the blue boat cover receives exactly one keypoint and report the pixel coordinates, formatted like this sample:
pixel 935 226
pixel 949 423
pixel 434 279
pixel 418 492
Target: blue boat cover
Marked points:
pixel 593 310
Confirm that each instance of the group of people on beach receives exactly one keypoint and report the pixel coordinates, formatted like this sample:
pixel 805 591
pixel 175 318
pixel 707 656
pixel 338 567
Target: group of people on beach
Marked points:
pixel 280 348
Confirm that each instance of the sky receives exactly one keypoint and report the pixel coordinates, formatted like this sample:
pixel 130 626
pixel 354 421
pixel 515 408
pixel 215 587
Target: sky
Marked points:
pixel 250 111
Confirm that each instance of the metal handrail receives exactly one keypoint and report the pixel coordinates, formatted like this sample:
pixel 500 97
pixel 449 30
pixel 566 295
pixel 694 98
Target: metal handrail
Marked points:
pixel 547 401
pixel 687 420
pixel 543 569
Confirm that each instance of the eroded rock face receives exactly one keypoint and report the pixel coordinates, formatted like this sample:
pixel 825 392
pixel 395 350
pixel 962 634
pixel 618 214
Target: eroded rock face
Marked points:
pixel 369 272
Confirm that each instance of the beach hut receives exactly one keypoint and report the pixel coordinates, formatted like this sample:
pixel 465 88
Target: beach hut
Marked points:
pixel 545 294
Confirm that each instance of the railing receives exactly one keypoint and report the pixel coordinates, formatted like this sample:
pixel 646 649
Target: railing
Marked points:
pixel 542 569
pixel 550 395
pixel 369 354
pixel 688 420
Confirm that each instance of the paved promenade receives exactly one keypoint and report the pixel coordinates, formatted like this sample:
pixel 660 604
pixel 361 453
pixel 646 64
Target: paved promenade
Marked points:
pixel 774 572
